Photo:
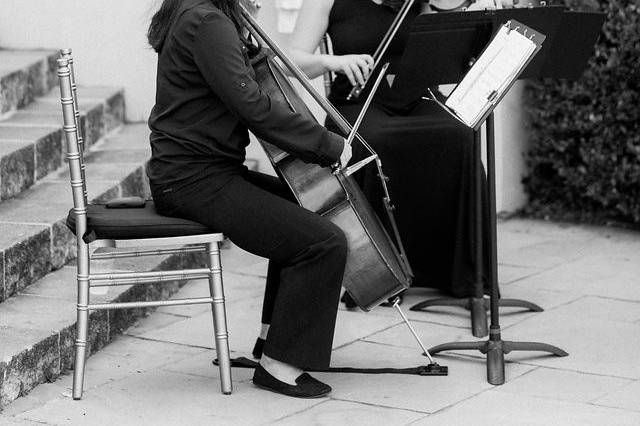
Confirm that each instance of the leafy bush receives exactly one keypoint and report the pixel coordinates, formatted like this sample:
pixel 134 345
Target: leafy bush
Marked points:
pixel 584 161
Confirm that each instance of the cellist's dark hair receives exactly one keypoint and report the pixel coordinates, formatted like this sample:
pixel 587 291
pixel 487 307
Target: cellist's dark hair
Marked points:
pixel 166 14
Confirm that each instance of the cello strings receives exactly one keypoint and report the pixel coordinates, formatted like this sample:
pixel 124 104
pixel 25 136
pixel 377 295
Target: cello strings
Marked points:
pixel 384 45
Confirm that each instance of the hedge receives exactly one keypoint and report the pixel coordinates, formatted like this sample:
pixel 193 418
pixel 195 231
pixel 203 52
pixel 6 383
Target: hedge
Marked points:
pixel 584 160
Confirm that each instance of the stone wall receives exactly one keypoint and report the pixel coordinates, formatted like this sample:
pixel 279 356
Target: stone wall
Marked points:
pixel 108 38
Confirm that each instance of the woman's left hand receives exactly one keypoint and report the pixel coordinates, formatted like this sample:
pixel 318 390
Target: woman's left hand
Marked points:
pixel 493 4
pixel 485 4
pixel 356 67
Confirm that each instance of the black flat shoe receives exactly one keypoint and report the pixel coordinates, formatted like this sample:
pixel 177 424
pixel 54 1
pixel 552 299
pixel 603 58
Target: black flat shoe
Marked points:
pixel 258 348
pixel 348 301
pixel 306 386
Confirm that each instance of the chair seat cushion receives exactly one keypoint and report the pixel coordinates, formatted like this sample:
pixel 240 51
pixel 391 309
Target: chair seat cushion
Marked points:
pixel 133 223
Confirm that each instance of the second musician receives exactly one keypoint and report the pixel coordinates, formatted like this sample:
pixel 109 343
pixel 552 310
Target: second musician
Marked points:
pixel 427 155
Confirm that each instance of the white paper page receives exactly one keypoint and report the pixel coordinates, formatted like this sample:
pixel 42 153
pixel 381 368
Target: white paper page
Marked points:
pixel 504 69
pixel 491 74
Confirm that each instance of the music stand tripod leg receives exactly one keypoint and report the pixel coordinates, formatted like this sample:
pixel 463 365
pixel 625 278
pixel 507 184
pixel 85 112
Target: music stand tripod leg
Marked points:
pixel 444 301
pixel 517 303
pixel 478 309
pixel 495 348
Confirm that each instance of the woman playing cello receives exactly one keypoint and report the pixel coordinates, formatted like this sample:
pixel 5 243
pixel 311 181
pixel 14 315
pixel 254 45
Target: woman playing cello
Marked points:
pixel 206 101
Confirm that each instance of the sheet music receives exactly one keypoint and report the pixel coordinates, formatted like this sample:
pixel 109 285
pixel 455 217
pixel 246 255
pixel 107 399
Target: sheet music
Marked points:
pixel 492 73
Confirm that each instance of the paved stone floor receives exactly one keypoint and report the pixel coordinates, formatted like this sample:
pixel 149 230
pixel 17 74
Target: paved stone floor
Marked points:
pixel 586 278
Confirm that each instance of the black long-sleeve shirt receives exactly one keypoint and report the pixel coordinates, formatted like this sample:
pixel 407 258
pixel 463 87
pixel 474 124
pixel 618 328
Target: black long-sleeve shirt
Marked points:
pixel 207 99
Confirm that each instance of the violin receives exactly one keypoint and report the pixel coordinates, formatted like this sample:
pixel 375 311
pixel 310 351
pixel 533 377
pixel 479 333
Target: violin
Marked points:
pixel 433 6
pixel 383 46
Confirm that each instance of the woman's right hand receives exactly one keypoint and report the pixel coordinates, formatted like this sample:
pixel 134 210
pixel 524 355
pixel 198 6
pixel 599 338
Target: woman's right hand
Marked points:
pixel 356 67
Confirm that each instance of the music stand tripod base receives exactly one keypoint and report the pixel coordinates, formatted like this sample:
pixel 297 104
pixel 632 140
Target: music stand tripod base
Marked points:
pixel 495 349
pixel 478 306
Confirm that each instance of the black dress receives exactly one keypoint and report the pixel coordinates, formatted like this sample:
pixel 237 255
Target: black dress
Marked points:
pixel 427 155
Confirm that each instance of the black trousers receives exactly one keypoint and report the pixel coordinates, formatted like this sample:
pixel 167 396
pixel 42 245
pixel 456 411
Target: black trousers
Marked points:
pixel 306 253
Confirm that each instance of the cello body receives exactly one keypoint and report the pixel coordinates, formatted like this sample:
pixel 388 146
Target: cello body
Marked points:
pixel 374 270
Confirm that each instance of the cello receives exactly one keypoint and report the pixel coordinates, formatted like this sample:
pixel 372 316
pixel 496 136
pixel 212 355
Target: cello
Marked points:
pixel 376 269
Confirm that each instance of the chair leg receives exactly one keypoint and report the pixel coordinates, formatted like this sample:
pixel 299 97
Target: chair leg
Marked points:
pixel 219 316
pixel 82 325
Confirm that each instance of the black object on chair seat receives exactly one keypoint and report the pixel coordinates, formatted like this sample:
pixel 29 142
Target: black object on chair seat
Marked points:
pixel 133 223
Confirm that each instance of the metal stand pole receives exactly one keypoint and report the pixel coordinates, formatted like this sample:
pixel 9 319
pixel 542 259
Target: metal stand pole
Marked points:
pixel 495 348
pixel 477 304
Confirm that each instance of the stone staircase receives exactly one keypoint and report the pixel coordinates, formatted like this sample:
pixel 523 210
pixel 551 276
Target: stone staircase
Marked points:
pixel 37 280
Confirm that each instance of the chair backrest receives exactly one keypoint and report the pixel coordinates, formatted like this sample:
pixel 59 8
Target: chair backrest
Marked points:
pixel 66 54
pixel 326 49
pixel 74 156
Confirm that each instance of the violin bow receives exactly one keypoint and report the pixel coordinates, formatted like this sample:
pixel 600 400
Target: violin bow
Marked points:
pixel 360 164
pixel 331 110
pixel 383 46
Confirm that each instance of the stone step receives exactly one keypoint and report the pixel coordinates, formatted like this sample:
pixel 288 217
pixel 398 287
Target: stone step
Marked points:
pixel 25 75
pixel 38 317
pixel 33 237
pixel 37 326
pixel 32 141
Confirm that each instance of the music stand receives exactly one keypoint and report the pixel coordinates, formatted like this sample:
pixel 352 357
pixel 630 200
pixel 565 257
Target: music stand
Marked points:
pixel 460 37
